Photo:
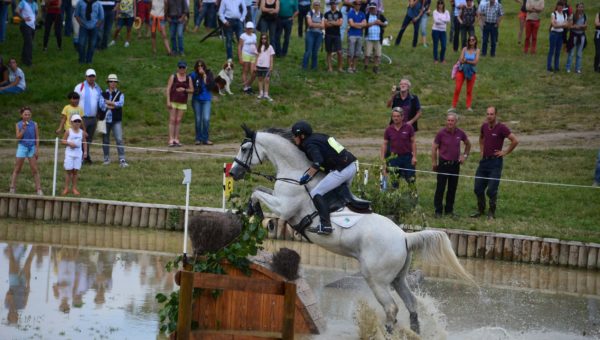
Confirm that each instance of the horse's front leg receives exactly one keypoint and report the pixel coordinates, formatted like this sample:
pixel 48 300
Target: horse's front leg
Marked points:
pixel 264 196
pixel 254 207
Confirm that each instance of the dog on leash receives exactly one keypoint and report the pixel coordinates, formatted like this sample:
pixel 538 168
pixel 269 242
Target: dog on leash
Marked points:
pixel 224 78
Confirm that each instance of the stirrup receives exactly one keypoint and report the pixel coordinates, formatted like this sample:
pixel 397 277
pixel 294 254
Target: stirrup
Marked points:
pixel 320 229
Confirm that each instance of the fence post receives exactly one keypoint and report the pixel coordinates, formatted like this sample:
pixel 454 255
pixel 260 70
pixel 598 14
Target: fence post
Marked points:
pixel 184 315
pixel 289 310
pixel 55 167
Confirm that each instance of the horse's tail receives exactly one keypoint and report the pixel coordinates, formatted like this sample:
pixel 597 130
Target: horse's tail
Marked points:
pixel 436 248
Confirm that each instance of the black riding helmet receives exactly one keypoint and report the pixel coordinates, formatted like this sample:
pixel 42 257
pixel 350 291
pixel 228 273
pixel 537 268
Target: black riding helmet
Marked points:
pixel 301 128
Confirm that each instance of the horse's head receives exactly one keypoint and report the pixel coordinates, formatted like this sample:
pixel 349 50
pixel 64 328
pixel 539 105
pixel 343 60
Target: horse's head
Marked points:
pixel 247 156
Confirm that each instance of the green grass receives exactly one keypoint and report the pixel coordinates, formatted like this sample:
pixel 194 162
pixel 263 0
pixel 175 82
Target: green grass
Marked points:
pixel 346 105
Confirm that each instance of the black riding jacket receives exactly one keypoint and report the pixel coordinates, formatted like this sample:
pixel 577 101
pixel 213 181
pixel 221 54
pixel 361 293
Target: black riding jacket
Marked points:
pixel 324 156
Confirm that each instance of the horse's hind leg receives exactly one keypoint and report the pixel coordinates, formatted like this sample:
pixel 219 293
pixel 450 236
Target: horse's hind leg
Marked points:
pixel 385 299
pixel 407 296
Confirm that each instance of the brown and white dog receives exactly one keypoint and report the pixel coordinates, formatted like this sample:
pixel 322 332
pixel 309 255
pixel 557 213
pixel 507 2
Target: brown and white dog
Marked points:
pixel 225 78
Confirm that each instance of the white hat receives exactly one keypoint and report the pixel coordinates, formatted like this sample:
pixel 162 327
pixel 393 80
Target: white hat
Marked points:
pixel 112 77
pixel 249 24
pixel 90 72
pixel 75 117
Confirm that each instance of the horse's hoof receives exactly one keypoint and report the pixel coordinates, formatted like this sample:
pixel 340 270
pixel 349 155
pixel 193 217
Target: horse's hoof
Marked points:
pixel 250 209
pixel 414 323
pixel 258 211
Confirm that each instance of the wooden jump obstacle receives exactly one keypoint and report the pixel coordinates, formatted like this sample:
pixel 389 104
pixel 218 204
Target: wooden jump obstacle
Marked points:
pixel 262 305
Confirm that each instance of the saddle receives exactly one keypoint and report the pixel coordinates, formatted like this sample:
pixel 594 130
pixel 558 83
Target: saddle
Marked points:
pixel 342 197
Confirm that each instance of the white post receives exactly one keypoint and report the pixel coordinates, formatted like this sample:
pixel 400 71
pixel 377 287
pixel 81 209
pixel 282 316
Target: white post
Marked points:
pixel 187 179
pixel 224 184
pixel 366 180
pixel 55 166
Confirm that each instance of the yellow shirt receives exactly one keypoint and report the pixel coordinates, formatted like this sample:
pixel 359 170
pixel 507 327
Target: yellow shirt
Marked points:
pixel 69 111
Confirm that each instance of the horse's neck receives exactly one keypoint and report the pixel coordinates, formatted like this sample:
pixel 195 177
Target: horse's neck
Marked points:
pixel 285 156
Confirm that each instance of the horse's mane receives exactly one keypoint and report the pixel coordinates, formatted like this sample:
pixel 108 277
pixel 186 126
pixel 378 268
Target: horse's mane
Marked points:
pixel 285 133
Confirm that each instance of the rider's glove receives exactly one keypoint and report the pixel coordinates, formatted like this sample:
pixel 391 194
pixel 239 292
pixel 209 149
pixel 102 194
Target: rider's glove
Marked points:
pixel 304 179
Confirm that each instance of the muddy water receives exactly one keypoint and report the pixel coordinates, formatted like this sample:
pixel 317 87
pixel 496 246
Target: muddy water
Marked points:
pixel 74 282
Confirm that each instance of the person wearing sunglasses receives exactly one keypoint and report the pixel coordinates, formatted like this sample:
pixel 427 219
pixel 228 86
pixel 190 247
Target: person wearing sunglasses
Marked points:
pixel 178 87
pixel 112 103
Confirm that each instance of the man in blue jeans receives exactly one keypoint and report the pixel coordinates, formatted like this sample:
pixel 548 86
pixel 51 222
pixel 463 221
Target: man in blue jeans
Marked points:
pixel 490 13
pixel 231 14
pixel 489 171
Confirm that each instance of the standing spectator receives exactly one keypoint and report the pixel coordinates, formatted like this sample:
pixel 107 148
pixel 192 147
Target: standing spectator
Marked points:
pixel 269 10
pixel 424 18
pixel 205 10
pixel 288 9
pixel 67 15
pixel 143 12
pixel 314 35
pixel 53 18
pixel 251 11
pixel 446 159
pixel 597 172
pixel 356 21
pixel 597 43
pixel 203 80
pixel 409 103
pixel 413 15
pixel 247 56
pixel 466 19
pixel 16 79
pixel 333 39
pixel 522 18
pixel 559 21
pixel 264 67
pixel 125 13
pixel 441 17
pixel 177 12
pixel 74 25
pixel 112 102
pixel 231 14
pixel 108 7
pixel 89 93
pixel 469 57
pixel 303 9
pixel 28 11
pixel 490 14
pixel 375 24
pixel 74 138
pixel 491 141
pixel 28 135
pixel 576 41
pixel 532 25
pixel 69 111
pixel 399 148
pixel 4 4
pixel 89 16
pixel 458 6
pixel 178 87
pixel 157 16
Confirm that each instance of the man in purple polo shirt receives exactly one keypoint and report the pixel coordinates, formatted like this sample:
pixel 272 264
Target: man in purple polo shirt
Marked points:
pixel 400 147
pixel 446 159
pixel 491 142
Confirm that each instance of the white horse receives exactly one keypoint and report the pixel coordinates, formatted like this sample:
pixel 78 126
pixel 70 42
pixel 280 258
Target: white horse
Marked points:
pixel 381 247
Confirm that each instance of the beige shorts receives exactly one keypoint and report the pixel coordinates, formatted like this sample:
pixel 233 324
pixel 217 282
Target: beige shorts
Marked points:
pixel 372 47
pixel 179 106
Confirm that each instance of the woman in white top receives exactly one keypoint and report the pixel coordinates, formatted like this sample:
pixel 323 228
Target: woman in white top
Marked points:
pixel 557 30
pixel 247 56
pixel 441 18
pixel 157 17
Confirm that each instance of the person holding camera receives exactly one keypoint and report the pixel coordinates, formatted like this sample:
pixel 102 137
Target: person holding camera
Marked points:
pixel 203 81
pixel 410 104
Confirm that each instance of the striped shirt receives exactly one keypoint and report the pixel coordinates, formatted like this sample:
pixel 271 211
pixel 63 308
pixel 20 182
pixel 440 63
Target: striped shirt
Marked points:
pixel 491 12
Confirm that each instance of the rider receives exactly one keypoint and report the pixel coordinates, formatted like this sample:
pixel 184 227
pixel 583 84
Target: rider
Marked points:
pixel 329 156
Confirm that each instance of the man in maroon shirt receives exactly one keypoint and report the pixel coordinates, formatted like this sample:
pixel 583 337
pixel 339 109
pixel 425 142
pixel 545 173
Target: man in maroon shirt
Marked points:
pixel 446 159
pixel 491 141
pixel 399 143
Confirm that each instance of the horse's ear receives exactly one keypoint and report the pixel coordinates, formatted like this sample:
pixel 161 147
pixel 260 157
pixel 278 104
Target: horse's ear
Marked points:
pixel 248 131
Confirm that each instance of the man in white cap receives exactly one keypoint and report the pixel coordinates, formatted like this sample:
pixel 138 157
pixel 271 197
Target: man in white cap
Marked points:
pixel 112 103
pixel 89 96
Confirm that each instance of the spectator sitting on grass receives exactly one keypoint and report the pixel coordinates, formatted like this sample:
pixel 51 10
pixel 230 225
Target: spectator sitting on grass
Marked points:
pixel 16 79
pixel 29 142
pixel 68 111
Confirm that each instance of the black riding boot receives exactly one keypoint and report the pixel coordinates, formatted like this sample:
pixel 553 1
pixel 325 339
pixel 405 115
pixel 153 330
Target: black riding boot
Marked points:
pixel 492 212
pixel 480 206
pixel 325 227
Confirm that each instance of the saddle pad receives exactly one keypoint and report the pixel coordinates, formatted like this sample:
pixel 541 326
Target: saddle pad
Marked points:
pixel 345 218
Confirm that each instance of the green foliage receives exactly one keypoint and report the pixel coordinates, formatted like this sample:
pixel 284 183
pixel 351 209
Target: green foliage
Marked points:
pixel 236 253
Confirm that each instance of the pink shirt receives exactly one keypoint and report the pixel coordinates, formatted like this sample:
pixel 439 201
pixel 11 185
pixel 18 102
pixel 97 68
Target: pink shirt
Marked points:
pixel 264 57
pixel 440 20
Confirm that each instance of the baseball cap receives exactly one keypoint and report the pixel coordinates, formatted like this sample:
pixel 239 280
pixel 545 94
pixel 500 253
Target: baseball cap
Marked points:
pixel 75 117
pixel 112 77
pixel 181 63
pixel 372 5
pixel 249 24
pixel 90 72
pixel 316 2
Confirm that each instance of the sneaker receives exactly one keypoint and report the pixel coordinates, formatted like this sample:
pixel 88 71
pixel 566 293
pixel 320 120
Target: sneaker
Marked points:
pixel 568 71
pixel 106 162
pixel 595 184
pixel 376 69
pixel 437 215
pixel 111 43
pixel 127 44
pixel 350 70
pixel 198 142
pixel 260 96
pixel 469 109
pixel 578 71
pixel 425 45
pixel 40 192
pixel 266 96
pixel 123 164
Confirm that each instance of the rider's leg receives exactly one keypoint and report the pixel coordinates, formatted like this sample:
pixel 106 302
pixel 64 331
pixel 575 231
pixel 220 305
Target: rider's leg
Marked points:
pixel 323 210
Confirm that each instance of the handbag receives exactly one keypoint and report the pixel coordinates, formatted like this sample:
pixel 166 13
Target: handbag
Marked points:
pixel 101 126
pixel 454 70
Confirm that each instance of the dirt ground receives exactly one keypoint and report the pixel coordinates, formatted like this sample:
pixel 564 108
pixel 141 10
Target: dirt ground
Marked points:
pixel 361 147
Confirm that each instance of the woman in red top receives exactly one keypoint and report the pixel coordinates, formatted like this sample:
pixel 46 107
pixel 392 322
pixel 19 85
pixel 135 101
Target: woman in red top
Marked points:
pixel 178 88
pixel 53 17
